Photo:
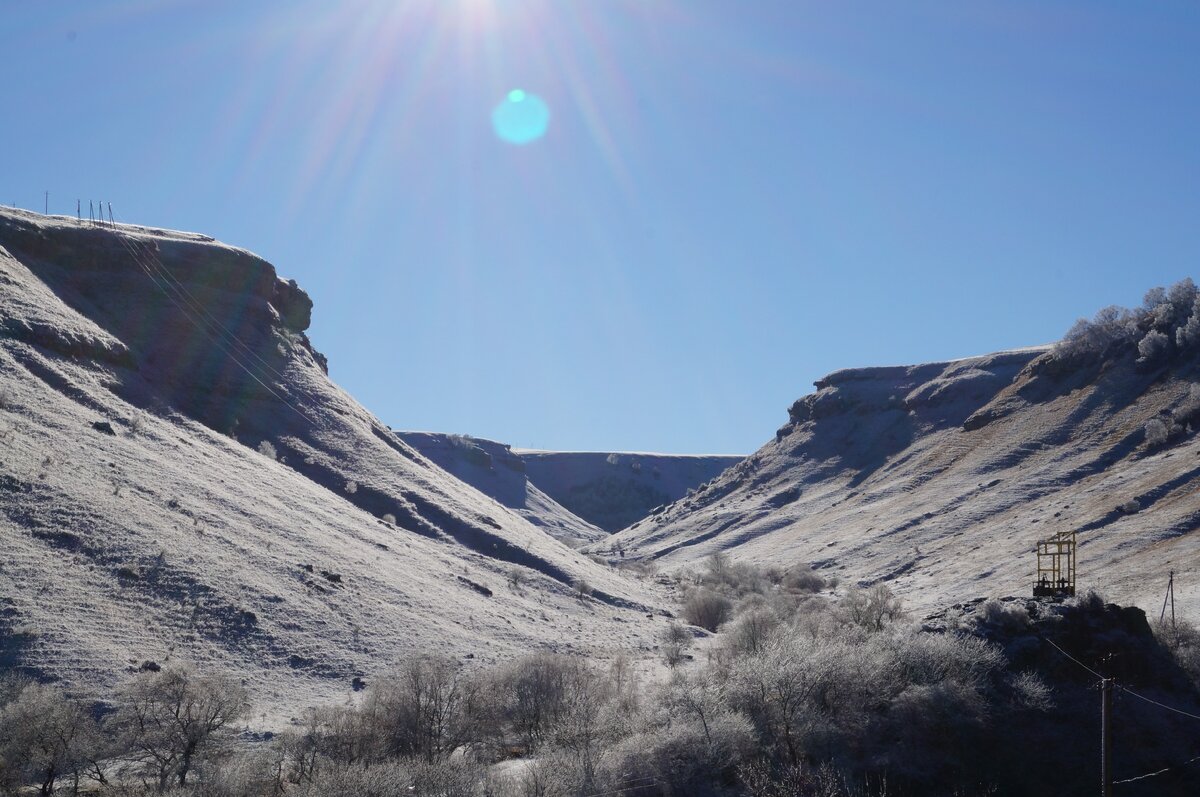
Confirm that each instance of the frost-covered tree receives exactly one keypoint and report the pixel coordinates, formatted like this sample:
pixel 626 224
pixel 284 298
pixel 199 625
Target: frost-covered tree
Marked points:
pixel 45 736
pixel 1188 335
pixel 1155 347
pixel 169 720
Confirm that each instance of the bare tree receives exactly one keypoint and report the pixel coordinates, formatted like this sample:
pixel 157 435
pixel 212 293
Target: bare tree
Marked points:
pixel 44 736
pixel 169 719
pixel 420 708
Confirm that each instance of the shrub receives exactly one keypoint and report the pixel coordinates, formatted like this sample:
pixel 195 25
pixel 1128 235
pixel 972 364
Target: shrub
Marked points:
pixel 706 609
pixel 170 720
pixel 389 518
pixel 1187 336
pixel 1155 347
pixel 1157 432
pixel 676 640
pixel 516 578
pixel 418 710
pixel 351 487
pixel 803 578
pixel 1030 692
pixel 1188 411
pixel 751 630
pixel 44 736
pixel 582 588
pixel 872 608
pixel 1010 616
pixel 267 449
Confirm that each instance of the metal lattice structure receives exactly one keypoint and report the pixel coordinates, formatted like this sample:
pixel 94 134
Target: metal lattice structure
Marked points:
pixel 1056 566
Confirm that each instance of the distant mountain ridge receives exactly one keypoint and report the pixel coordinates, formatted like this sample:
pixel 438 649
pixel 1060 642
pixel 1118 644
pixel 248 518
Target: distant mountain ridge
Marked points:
pixel 575 495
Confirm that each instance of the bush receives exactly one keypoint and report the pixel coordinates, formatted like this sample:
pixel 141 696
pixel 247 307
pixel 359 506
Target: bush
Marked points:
pixel 1155 347
pixel 172 719
pixel 1010 616
pixel 872 608
pixel 1188 411
pixel 267 449
pixel 419 710
pixel 803 578
pixel 44 736
pixel 706 609
pixel 676 640
pixel 1157 432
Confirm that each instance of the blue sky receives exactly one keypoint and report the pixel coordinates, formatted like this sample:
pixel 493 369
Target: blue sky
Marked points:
pixel 731 199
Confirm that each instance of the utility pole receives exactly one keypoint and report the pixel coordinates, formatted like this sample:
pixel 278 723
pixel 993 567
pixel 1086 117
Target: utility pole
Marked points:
pixel 1171 597
pixel 47 213
pixel 1106 776
pixel 78 215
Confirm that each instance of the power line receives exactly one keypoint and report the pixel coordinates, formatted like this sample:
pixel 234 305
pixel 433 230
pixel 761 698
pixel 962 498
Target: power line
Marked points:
pixel 1160 705
pixel 1077 661
pixel 1159 772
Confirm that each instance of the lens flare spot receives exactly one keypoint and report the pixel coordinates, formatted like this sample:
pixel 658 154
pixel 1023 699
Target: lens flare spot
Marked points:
pixel 521 118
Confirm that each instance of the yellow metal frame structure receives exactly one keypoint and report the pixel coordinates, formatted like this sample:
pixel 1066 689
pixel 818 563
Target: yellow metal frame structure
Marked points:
pixel 1056 566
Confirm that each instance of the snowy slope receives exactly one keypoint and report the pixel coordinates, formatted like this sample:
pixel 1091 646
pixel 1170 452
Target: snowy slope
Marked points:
pixel 140 372
pixel 938 479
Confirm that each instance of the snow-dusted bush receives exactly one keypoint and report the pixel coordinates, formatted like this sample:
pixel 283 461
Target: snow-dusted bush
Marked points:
pixel 752 630
pixel 582 588
pixel 676 640
pixel 706 608
pixel 1155 347
pixel 1188 411
pixel 1011 616
pixel 872 608
pixel 418 710
pixel 267 449
pixel 45 736
pixel 351 487
pixel 169 721
pixel 462 441
pixel 389 518
pixel 1030 692
pixel 803 578
pixel 1187 336
pixel 1130 507
pixel 1157 432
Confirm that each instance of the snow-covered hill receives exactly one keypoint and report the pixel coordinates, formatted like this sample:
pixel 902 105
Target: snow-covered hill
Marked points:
pixel 939 479
pixel 179 479
pixel 576 496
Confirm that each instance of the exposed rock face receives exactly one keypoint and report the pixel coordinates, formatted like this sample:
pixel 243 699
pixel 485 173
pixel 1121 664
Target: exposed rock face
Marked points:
pixel 180 479
pixel 940 478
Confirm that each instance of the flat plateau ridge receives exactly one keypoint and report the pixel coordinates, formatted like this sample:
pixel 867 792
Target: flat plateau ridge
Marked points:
pixel 577 496
pixel 939 479
pixel 180 480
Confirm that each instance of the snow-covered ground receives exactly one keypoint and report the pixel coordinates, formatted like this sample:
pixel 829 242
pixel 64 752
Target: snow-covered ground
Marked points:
pixel 180 481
